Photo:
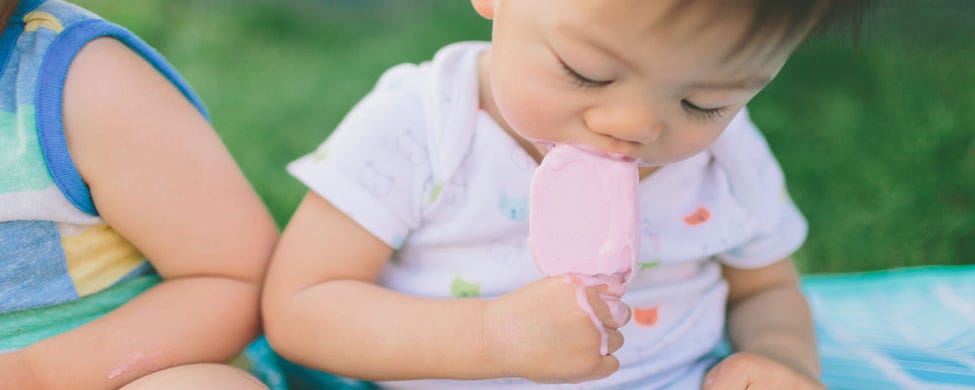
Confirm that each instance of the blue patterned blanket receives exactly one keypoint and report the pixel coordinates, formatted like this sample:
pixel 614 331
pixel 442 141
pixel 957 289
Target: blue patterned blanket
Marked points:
pixel 901 329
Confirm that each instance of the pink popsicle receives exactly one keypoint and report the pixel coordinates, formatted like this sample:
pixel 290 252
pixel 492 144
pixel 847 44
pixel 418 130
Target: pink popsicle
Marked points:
pixel 583 221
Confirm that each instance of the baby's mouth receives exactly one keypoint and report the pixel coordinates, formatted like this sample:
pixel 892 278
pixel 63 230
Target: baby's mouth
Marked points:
pixel 544 147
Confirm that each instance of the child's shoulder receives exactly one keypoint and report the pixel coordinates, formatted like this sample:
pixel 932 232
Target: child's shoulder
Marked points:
pixel 742 147
pixel 435 101
pixel 442 92
pixel 753 173
pixel 452 70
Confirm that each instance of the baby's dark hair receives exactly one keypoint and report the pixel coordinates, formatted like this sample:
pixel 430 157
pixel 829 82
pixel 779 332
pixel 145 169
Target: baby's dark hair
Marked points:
pixel 797 17
pixel 788 21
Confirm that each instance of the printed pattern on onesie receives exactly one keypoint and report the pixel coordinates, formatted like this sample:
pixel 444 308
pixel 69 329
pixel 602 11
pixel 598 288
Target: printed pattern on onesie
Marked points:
pixel 419 165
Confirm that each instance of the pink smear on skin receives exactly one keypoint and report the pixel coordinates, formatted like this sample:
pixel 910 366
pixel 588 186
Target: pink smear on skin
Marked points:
pixel 584 222
pixel 133 360
pixel 616 285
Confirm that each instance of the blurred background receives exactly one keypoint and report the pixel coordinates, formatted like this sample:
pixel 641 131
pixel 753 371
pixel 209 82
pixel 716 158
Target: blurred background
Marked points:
pixel 877 138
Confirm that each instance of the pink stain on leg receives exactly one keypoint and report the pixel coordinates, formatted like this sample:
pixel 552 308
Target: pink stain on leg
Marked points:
pixel 134 359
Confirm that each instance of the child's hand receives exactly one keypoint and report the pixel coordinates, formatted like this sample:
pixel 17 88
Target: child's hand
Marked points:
pixel 752 371
pixel 540 332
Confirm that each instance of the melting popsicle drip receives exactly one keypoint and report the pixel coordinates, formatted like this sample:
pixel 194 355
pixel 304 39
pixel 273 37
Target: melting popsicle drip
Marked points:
pixel 584 222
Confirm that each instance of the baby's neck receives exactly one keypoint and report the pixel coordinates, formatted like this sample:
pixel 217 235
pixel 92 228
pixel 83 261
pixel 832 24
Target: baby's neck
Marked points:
pixel 647 171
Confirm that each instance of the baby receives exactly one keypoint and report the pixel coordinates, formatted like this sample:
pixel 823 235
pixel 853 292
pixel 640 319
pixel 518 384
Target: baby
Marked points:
pixel 407 262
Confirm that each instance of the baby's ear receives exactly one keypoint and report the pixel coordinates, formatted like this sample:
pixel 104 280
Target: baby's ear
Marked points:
pixel 484 7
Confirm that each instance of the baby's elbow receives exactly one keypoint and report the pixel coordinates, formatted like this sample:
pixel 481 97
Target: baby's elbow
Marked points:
pixel 276 321
pixel 280 342
pixel 261 253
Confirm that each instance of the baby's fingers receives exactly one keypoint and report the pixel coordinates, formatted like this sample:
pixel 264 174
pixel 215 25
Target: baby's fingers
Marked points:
pixel 619 312
pixel 748 370
pixel 612 312
pixel 614 340
pixel 722 378
pixel 607 365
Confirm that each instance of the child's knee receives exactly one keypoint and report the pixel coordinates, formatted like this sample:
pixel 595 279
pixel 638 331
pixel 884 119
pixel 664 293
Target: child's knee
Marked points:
pixel 198 376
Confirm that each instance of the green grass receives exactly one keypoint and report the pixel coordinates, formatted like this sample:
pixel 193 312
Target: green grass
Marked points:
pixel 877 142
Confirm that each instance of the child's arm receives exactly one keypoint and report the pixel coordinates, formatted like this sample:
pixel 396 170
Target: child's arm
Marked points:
pixel 161 177
pixel 771 328
pixel 323 309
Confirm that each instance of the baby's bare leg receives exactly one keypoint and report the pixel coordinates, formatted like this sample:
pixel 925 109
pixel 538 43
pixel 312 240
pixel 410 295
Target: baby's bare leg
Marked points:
pixel 197 376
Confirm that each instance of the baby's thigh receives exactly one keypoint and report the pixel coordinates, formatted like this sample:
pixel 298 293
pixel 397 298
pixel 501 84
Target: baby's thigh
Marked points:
pixel 197 376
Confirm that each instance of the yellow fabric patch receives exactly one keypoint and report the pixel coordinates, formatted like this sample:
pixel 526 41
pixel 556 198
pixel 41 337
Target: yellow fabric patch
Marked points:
pixel 98 257
pixel 38 19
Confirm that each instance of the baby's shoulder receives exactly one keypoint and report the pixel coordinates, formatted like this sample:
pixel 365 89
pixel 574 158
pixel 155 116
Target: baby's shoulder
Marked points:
pixel 743 152
pixel 451 71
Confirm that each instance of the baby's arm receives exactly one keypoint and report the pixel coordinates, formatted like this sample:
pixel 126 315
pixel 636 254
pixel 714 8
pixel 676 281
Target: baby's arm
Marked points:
pixel 323 309
pixel 161 177
pixel 771 328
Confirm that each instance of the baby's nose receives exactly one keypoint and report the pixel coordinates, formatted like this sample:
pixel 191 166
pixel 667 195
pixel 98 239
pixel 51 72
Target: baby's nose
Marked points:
pixel 627 123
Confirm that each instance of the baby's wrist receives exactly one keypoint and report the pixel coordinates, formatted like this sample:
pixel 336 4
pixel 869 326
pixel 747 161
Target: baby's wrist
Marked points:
pixel 492 344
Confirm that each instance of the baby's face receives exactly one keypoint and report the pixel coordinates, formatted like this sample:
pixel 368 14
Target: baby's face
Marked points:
pixel 623 76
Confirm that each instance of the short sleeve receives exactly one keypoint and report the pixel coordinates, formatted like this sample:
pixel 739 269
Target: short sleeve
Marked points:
pixel 375 167
pixel 758 185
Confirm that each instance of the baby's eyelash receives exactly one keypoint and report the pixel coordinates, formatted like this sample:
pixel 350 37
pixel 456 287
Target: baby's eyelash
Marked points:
pixel 701 113
pixel 580 80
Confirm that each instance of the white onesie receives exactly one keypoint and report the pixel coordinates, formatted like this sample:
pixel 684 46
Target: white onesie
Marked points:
pixel 419 165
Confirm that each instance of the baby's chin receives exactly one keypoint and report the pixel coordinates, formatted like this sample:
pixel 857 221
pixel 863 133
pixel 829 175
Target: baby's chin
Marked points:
pixel 659 161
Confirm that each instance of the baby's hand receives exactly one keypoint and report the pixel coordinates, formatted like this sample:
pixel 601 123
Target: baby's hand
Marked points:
pixel 540 332
pixel 745 370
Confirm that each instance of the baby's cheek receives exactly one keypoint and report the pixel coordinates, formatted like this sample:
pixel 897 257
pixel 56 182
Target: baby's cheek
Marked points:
pixel 532 109
pixel 523 116
pixel 681 144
